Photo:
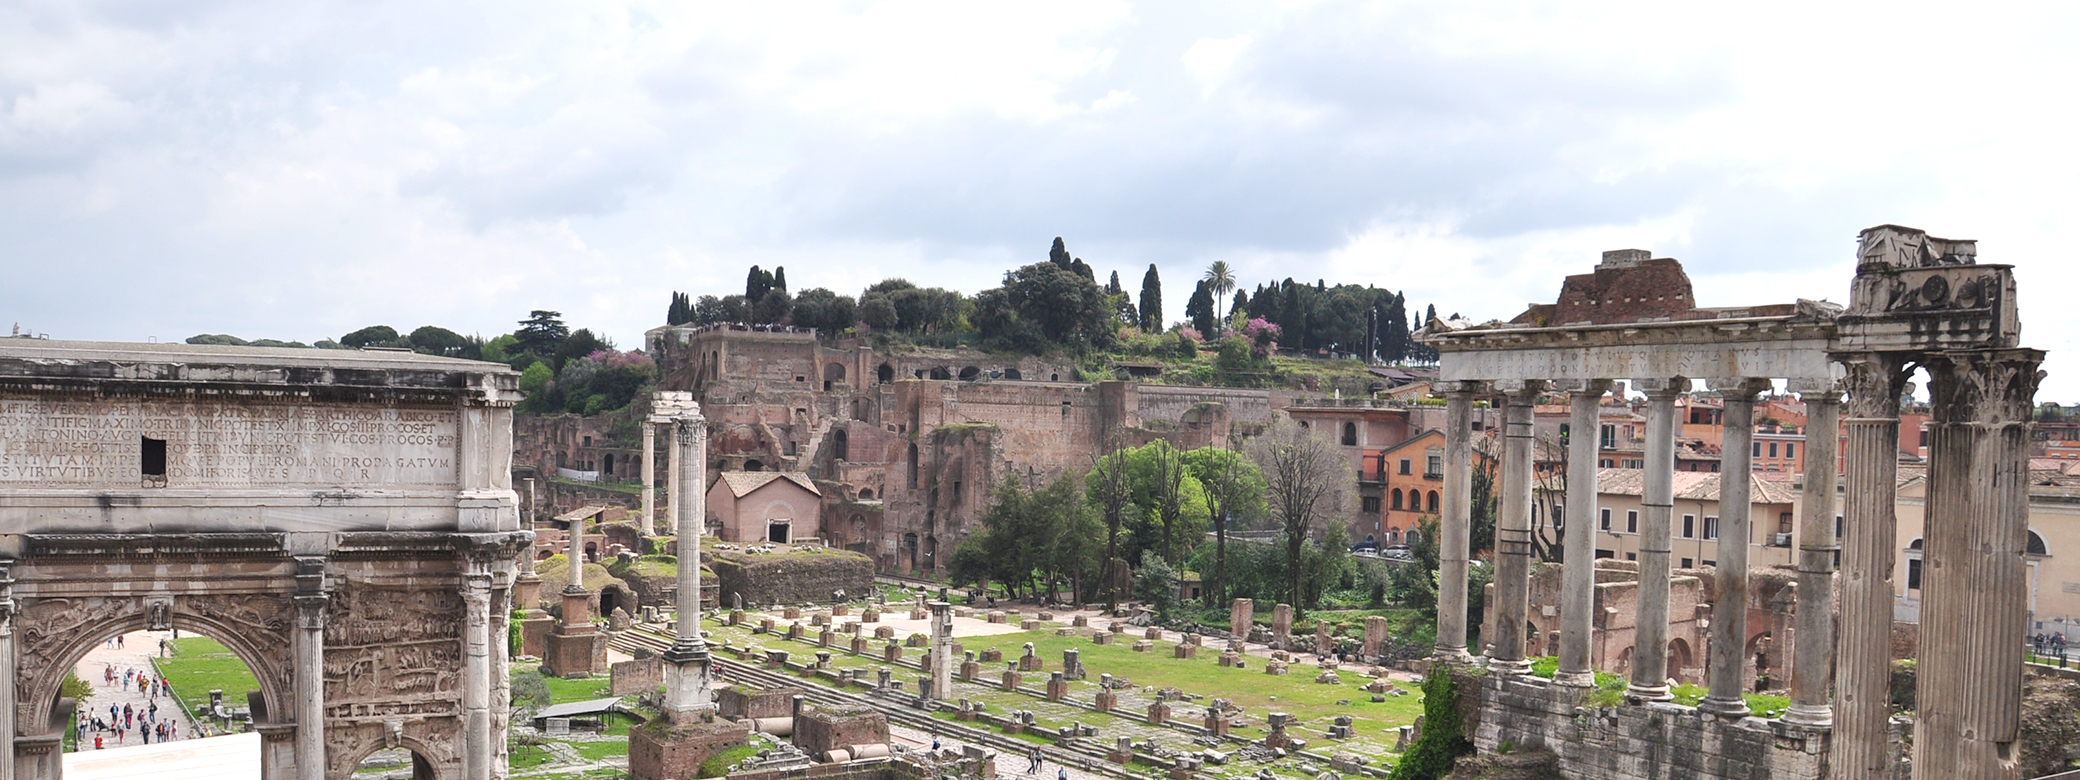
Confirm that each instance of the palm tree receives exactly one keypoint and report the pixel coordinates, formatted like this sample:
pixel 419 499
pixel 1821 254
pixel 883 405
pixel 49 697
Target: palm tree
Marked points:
pixel 1220 279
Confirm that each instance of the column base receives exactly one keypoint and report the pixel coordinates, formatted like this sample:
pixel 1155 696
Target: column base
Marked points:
pixel 1575 679
pixel 1519 666
pixel 1649 693
pixel 1813 716
pixel 1734 709
pixel 1455 656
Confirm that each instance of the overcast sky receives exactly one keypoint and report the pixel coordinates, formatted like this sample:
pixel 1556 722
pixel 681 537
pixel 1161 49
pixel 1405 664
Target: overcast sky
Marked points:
pixel 297 170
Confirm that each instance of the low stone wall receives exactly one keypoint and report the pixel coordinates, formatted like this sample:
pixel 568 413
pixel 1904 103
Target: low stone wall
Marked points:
pixel 1637 742
pixel 791 578
pixel 629 678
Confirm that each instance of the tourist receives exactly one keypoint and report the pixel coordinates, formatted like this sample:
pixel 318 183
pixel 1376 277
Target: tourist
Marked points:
pixel 1033 762
pixel 1061 773
pixel 935 743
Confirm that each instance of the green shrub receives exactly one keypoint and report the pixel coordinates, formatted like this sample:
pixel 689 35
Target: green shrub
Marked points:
pixel 1443 741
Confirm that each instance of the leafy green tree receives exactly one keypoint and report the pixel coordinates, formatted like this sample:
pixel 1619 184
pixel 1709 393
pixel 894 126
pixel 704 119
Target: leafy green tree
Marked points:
pixel 220 339
pixel 1443 740
pixel 536 378
pixel 877 311
pixel 432 340
pixel 826 311
pixel 1151 301
pixel 540 333
pixel 579 343
pixel 773 308
pixel 500 350
pixel 1233 489
pixel 378 335
pixel 1067 308
pixel 1155 584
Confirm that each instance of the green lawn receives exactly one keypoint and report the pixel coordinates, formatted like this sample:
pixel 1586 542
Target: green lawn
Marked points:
pixel 201 664
pixel 562 691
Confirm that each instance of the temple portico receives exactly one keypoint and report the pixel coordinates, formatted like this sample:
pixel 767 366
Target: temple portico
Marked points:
pixel 1917 303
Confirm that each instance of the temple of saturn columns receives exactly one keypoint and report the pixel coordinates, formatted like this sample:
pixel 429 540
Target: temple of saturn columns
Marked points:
pixel 343 521
pixel 1917 303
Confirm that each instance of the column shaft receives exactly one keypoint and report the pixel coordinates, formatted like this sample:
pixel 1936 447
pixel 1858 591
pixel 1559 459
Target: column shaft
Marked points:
pixel 1456 525
pixel 649 476
pixel 308 705
pixel 1974 577
pixel 1813 645
pixel 476 676
pixel 1863 655
pixel 688 672
pixel 1513 533
pixel 1578 575
pixel 672 467
pixel 8 711
pixel 1729 639
pixel 1650 634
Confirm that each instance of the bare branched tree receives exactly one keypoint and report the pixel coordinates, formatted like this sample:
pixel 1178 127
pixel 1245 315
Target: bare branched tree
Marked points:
pixel 1113 489
pixel 1305 477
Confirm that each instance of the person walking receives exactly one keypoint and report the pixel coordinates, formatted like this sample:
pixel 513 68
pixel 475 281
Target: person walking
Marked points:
pixel 1033 762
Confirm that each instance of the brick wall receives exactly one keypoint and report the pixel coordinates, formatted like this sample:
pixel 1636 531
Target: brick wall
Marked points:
pixel 821 727
pixel 793 578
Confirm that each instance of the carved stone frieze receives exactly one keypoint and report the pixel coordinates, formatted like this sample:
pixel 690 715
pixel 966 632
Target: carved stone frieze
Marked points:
pixel 393 653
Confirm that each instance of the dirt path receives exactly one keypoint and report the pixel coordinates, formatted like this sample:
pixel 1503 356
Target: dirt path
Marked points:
pixel 133 655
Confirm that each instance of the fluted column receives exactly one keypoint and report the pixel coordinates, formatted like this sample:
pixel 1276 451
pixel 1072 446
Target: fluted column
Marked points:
pixel 1729 638
pixel 1863 655
pixel 1650 633
pixel 1578 575
pixel 672 457
pixel 649 475
pixel 1455 526
pixel 1813 645
pixel 1513 529
pixel 1975 581
pixel 688 673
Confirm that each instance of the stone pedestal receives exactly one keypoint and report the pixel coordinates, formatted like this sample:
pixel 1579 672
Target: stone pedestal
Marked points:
pixel 859 645
pixel 1101 638
pixel 1159 713
pixel 1143 646
pixel 892 653
pixel 1231 658
pixel 1057 688
pixel 1185 651
pixel 1375 635
pixel 534 634
pixel 576 648
pixel 1282 627
pixel 1012 679
pixel 1216 723
pixel 971 671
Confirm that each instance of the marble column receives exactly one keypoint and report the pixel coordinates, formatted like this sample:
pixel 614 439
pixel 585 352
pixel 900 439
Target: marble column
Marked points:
pixel 1729 638
pixel 649 476
pixel 673 465
pixel 1578 572
pixel 1974 608
pixel 501 662
pixel 1512 603
pixel 1657 497
pixel 1455 527
pixel 1863 654
pixel 688 671
pixel 942 650
pixel 1813 640
pixel 476 668
pixel 308 707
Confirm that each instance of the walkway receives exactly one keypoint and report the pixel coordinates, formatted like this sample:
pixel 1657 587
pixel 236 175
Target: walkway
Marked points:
pixel 135 654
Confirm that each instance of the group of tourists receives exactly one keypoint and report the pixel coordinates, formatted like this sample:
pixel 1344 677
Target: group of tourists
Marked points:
pixel 2051 645
pixel 122 721
pixel 149 685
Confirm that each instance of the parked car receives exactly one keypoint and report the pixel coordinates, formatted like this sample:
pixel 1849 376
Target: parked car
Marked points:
pixel 1399 552
pixel 1367 546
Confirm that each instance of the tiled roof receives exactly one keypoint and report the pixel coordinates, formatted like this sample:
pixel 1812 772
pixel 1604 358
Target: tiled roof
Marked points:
pixel 741 483
pixel 1692 485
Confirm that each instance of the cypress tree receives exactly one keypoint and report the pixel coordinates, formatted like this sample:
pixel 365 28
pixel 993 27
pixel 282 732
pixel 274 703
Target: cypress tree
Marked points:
pixel 780 278
pixel 1113 288
pixel 1241 303
pixel 1151 301
pixel 1060 253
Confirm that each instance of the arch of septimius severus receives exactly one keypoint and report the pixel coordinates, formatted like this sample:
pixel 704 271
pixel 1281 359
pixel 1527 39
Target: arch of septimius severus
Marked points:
pixel 343 521
pixel 1918 303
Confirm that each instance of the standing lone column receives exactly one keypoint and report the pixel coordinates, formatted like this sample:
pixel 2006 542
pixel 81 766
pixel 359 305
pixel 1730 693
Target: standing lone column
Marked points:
pixel 942 650
pixel 1650 635
pixel 1975 581
pixel 1578 572
pixel 1729 639
pixel 688 673
pixel 1863 658
pixel 1456 525
pixel 1513 529
pixel 649 473
pixel 1813 646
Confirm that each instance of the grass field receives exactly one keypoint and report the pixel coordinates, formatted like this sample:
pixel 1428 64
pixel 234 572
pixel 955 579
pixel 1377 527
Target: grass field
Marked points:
pixel 201 664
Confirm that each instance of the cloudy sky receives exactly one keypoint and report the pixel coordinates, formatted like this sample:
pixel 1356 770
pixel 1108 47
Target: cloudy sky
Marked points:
pixel 296 170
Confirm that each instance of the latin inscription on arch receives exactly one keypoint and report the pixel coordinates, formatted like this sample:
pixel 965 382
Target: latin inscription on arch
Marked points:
pixel 97 444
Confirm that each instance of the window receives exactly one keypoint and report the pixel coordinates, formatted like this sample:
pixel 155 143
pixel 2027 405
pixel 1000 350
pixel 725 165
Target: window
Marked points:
pixel 1711 527
pixel 1405 465
pixel 1606 463
pixel 1837 526
pixel 1924 437
pixel 1604 519
pixel 1434 464
pixel 1433 502
pixel 1632 556
pixel 1350 434
pixel 1631 521
pixel 1913 574
pixel 153 461
pixel 1790 449
pixel 1603 554
pixel 1610 437
pixel 1783 522
pixel 588 441
pixel 1687 563
pixel 1371 504
pixel 1708 562
pixel 1397 499
pixel 2036 546
pixel 1772 449
pixel 1758 449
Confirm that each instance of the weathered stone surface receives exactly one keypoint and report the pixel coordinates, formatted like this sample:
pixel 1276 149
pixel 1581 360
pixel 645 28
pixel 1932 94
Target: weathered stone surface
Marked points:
pixel 791 578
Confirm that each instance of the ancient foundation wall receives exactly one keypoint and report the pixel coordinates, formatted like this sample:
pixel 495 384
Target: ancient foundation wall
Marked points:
pixel 1638 742
pixel 793 578
pixel 1162 402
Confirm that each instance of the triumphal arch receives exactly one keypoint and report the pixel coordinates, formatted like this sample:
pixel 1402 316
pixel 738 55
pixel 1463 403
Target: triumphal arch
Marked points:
pixel 342 520
pixel 1917 304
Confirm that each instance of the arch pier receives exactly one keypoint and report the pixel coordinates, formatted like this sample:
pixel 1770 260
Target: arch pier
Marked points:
pixel 1917 302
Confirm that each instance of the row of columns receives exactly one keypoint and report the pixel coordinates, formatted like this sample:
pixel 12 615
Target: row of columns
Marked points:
pixel 1578 579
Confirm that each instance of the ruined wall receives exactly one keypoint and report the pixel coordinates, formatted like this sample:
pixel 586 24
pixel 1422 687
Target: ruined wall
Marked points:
pixel 790 578
pixel 1637 742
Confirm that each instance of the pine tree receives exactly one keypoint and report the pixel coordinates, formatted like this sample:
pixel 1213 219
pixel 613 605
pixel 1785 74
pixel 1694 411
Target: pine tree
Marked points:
pixel 1151 301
